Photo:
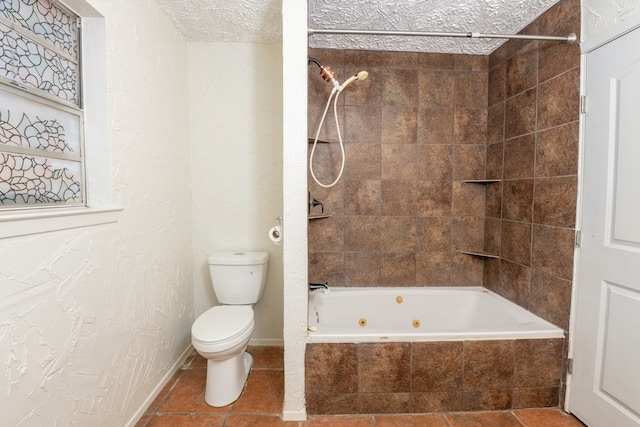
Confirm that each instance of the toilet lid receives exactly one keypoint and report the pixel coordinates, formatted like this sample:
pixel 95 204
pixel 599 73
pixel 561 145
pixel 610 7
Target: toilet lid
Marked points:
pixel 222 322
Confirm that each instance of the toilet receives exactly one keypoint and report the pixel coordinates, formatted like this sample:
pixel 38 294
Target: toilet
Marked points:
pixel 221 334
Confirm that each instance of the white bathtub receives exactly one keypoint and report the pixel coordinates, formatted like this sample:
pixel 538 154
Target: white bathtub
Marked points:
pixel 420 314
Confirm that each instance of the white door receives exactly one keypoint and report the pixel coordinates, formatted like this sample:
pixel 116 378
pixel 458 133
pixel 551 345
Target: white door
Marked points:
pixel 605 387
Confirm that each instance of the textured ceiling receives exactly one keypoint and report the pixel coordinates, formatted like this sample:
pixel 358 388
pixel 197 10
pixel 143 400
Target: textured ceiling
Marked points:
pixel 248 21
pixel 259 21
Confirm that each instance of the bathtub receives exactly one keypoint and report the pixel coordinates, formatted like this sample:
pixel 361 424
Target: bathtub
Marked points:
pixel 353 315
pixel 421 350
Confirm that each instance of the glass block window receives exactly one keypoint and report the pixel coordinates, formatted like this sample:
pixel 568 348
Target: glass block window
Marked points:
pixel 41 119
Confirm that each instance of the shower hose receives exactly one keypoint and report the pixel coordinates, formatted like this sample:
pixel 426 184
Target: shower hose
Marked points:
pixel 335 91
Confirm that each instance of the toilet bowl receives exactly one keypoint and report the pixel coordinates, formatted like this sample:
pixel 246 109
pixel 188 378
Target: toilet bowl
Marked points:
pixel 221 334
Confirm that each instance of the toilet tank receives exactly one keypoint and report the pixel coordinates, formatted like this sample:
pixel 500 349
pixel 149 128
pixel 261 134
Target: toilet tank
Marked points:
pixel 238 277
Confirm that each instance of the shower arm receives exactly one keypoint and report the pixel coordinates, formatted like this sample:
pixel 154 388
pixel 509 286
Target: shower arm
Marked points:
pixel 571 38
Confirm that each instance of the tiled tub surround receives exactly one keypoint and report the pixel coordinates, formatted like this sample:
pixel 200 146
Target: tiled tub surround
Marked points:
pixel 441 349
pixel 419 377
pixel 532 148
pixel 419 126
pixel 412 131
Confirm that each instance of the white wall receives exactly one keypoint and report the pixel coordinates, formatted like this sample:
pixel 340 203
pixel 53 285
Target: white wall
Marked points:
pixel 598 16
pixel 235 122
pixel 294 56
pixel 93 319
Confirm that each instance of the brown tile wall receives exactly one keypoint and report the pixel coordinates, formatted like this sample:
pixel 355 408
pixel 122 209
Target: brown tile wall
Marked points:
pixel 420 125
pixel 532 147
pixel 413 131
pixel 423 377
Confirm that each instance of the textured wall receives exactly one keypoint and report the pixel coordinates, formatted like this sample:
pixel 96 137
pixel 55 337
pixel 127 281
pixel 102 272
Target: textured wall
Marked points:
pixel 235 125
pixel 91 320
pixel 294 156
pixel 599 15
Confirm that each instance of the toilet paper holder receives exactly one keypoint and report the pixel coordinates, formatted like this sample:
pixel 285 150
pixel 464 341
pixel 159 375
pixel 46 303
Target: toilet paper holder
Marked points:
pixel 275 233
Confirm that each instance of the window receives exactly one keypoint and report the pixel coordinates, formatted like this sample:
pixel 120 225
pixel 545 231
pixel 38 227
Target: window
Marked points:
pixel 41 116
pixel 53 82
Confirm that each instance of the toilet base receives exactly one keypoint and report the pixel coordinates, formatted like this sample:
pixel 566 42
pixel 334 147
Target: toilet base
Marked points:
pixel 226 379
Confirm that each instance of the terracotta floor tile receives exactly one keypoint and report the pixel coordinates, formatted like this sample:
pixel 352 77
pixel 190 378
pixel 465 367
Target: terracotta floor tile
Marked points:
pixel 267 357
pixel 262 394
pixel 199 362
pixel 546 418
pixel 142 422
pixel 195 361
pixel 339 421
pixel 188 394
pixel 421 420
pixel 258 421
pixel 187 420
pixel 163 393
pixel 181 403
pixel 483 419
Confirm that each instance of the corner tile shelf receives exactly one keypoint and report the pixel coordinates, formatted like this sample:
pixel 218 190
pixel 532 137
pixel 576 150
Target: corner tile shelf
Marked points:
pixel 320 141
pixel 481 181
pixel 479 254
pixel 310 217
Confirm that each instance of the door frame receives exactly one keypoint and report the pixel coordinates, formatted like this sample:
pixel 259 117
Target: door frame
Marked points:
pixel 610 34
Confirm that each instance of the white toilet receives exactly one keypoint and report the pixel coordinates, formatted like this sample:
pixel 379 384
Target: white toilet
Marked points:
pixel 221 334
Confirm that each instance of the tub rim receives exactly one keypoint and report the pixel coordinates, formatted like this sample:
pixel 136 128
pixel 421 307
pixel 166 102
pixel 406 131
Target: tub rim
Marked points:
pixel 546 329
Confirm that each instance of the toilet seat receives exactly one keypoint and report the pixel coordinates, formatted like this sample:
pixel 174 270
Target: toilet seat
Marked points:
pixel 222 327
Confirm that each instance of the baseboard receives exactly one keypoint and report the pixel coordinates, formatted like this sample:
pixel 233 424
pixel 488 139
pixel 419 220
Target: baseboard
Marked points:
pixel 267 342
pixel 156 391
pixel 294 415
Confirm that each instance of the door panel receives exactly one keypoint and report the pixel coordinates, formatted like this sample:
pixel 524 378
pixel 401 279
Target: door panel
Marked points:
pixel 625 91
pixel 616 360
pixel 605 385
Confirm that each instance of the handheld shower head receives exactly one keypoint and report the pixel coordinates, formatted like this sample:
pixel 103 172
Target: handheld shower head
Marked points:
pixel 330 76
pixel 362 75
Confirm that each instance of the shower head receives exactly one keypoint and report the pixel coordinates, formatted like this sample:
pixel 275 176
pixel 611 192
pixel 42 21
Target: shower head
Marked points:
pixel 362 75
